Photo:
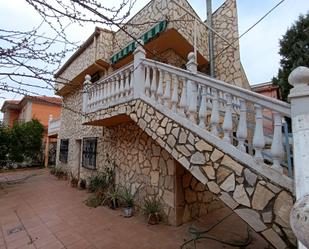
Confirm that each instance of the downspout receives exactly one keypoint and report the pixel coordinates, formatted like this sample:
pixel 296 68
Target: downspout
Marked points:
pixel 210 39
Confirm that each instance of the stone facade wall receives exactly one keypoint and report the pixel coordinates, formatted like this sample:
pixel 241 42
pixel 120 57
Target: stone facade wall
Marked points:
pixel 142 165
pixel 102 49
pixel 228 67
pixel 227 62
pixel 263 204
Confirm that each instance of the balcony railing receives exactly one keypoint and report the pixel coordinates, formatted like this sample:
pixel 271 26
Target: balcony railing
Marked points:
pixel 230 113
pixel 53 126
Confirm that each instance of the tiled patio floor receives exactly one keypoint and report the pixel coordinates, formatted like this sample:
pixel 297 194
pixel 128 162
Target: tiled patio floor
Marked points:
pixel 44 212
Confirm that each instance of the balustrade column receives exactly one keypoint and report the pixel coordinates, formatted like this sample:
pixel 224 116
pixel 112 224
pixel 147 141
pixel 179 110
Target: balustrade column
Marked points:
pixel 214 119
pixel 276 146
pixel 153 87
pixel 160 87
pixel 167 92
pixel 147 81
pixel 258 137
pixel 175 93
pixel 127 83
pixel 203 108
pixel 227 125
pixel 183 99
pixel 242 130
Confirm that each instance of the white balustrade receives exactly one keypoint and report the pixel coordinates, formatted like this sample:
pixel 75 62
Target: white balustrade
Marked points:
pixel 194 97
pixel 113 88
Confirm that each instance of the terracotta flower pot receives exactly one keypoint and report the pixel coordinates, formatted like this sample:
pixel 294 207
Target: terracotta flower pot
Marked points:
pixel 153 219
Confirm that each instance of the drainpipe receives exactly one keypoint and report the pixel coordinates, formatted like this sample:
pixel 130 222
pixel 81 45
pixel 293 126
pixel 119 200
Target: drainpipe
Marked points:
pixel 210 39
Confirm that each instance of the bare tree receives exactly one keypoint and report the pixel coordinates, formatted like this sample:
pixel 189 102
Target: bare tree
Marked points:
pixel 30 58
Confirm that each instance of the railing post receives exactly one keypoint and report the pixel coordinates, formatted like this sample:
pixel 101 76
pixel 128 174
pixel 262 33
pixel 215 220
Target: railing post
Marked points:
pixel 192 88
pixel 138 71
pixel 86 85
pixel 299 97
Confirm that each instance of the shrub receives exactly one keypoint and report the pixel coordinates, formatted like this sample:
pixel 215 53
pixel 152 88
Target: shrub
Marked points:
pixel 151 206
pixel 93 201
pixel 127 197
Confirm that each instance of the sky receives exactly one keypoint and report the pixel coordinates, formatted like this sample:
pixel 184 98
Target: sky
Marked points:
pixel 259 47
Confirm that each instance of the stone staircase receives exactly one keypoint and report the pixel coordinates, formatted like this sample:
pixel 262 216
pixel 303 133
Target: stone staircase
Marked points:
pixel 204 124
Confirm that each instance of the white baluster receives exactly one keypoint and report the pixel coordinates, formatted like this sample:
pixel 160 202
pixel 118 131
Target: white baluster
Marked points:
pixel 153 87
pixel 242 126
pixel 117 80
pixel 114 85
pixel 183 99
pixel 203 108
pixel 147 81
pixel 175 93
pixel 167 92
pixel 192 96
pixel 214 119
pixel 131 80
pixel 228 121
pixel 276 146
pixel 121 85
pixel 160 87
pixel 258 137
pixel 127 83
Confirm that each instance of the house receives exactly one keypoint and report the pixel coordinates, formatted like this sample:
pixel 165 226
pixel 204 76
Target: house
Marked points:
pixel 174 132
pixel 33 107
pixel 30 107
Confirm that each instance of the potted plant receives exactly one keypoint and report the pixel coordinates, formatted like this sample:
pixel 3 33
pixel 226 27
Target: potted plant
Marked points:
pixel 73 180
pixel 151 209
pixel 128 202
pixel 112 197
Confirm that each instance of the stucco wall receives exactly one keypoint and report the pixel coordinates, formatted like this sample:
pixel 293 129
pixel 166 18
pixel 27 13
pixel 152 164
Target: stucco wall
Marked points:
pixel 42 112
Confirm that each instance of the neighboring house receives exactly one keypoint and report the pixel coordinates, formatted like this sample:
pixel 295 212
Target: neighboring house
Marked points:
pixel 167 126
pixel 33 107
pixel 268 89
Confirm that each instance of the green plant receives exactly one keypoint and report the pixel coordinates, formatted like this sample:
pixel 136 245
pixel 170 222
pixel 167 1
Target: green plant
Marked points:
pixel 112 197
pixel 93 201
pixel 127 197
pixel 151 206
pixel 97 183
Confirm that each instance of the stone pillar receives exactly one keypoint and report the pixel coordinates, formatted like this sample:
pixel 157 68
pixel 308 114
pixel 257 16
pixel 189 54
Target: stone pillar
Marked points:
pixel 138 71
pixel 299 97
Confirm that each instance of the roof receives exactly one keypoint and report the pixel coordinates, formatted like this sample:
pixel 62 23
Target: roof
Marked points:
pixel 264 85
pixel 17 104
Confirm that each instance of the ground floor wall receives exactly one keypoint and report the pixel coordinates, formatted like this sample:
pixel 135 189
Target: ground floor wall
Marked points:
pixel 146 169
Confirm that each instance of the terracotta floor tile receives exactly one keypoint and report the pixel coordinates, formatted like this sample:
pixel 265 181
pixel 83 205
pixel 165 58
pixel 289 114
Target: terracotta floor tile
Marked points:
pixel 55 217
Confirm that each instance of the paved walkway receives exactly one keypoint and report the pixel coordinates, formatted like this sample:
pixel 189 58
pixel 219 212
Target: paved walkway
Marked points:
pixel 43 212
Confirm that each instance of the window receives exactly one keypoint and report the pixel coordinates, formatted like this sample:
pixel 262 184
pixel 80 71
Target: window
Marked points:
pixel 64 150
pixel 89 153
